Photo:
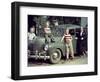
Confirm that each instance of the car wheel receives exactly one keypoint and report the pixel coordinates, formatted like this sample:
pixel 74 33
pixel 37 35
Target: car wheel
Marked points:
pixel 55 56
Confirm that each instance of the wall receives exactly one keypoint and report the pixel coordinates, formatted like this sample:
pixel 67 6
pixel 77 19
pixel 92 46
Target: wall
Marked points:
pixel 5 39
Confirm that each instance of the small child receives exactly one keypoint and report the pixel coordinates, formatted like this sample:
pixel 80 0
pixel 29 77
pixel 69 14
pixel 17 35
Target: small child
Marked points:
pixel 31 38
pixel 48 33
pixel 31 34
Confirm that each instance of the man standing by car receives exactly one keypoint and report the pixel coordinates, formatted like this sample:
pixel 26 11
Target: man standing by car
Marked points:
pixel 48 34
pixel 67 38
pixel 80 46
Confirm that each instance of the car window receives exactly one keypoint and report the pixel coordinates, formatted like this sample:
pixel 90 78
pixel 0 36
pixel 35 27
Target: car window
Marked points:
pixel 72 31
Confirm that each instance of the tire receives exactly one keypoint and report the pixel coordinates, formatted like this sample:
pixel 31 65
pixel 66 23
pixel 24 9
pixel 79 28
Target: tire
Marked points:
pixel 55 56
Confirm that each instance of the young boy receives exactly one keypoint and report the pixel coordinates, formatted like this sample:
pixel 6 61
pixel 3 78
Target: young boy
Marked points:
pixel 31 37
pixel 31 34
pixel 67 38
pixel 48 34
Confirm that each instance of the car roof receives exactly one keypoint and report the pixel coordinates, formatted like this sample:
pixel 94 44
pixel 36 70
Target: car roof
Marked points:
pixel 69 26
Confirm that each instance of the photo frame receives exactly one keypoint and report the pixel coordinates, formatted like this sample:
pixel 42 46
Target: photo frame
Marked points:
pixel 26 14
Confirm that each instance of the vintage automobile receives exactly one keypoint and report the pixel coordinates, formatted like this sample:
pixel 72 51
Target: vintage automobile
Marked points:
pixel 52 51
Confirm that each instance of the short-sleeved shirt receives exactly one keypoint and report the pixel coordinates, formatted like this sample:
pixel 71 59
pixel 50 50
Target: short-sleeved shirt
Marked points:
pixel 31 36
pixel 67 38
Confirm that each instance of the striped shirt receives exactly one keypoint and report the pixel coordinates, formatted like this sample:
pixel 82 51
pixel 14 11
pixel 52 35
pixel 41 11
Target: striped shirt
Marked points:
pixel 67 38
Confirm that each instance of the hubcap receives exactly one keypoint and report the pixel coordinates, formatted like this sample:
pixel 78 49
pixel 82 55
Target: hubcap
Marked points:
pixel 55 55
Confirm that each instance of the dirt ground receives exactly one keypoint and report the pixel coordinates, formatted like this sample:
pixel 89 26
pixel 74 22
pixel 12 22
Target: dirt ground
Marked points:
pixel 78 60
